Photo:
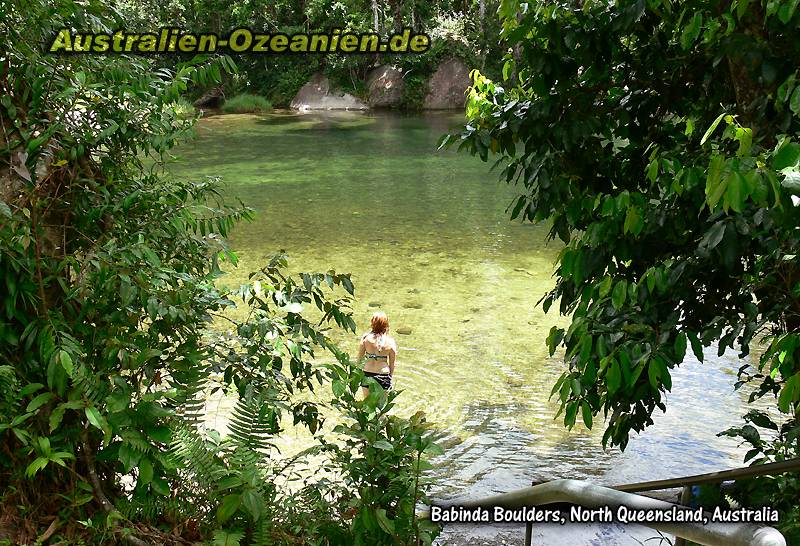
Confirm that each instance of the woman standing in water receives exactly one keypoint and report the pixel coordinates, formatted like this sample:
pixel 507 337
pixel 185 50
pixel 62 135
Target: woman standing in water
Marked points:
pixel 380 351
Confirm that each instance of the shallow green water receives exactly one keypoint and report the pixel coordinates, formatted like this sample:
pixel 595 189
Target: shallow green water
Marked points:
pixel 427 239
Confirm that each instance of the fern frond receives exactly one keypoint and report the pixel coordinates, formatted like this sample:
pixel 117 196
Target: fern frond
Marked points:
pixel 190 385
pixel 254 423
pixel 94 387
pixel 261 535
pixel 9 388
pixel 193 453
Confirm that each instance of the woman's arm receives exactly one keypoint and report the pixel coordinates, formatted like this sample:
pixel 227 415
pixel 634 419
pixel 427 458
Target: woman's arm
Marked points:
pixel 392 357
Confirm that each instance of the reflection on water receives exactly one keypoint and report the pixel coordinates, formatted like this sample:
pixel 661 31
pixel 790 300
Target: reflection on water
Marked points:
pixel 427 239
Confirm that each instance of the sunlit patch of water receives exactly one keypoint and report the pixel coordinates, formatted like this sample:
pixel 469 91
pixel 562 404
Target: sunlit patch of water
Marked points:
pixel 426 237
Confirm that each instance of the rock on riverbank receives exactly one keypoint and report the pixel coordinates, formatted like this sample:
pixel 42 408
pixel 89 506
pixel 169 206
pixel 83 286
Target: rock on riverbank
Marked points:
pixel 447 86
pixel 446 90
pixel 318 94
pixel 385 84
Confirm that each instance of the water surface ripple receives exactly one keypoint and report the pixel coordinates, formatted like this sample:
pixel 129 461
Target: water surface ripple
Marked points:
pixel 427 238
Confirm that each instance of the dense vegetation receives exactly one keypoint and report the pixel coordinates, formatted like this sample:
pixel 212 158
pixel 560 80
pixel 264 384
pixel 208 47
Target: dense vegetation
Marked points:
pixel 467 30
pixel 113 331
pixel 661 140
pixel 246 103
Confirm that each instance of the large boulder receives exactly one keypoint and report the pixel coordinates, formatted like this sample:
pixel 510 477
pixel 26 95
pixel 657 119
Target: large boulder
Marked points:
pixel 447 86
pixel 318 94
pixel 212 98
pixel 385 84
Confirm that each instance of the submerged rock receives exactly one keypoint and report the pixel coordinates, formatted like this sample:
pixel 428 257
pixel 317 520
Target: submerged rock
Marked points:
pixel 404 330
pixel 412 305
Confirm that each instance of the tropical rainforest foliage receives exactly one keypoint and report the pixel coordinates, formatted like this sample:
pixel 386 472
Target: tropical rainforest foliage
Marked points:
pixel 661 141
pixel 113 330
pixel 466 29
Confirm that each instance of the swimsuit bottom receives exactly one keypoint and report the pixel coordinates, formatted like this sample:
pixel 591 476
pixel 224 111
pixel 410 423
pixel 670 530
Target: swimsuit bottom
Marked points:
pixel 383 379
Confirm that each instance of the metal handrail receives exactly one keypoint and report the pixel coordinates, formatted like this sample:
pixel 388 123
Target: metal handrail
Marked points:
pixel 593 496
pixel 769 469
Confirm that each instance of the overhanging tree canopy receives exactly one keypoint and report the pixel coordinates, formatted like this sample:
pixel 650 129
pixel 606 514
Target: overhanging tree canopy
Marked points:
pixel 660 139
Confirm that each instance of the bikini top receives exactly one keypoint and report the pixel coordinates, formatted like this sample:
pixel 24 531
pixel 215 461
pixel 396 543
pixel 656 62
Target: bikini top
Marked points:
pixel 376 357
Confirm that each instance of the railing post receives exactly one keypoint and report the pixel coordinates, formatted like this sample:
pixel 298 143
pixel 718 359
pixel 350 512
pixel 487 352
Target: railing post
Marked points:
pixel 528 533
pixel 686 498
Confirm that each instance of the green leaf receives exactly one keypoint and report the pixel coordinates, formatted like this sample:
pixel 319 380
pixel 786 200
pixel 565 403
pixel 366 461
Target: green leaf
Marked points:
pixel 712 128
pixel 145 471
pixel 789 393
pixel 652 170
pixel 613 377
pixel 159 434
pixel 604 288
pixel 230 504
pixel 38 464
pixel 385 523
pixel 554 339
pixel 714 235
pixel 56 416
pixel 736 191
pixel 697 347
pixel 30 388
pixel 569 416
pixel 66 361
pixel 128 456
pixel 587 415
pixel 99 422
pixel 788 155
pixel 787 10
pixel 741 8
pixel 692 31
pixel 654 374
pixel 680 346
pixel 160 486
pixel 227 538
pixel 383 444
pixel 633 221
pixel 794 101
pixel 618 295
pixel 39 401
pixel 253 503
pixel 745 137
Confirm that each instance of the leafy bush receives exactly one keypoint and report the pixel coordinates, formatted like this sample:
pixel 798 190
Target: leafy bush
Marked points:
pixel 111 319
pixel 768 441
pixel 382 458
pixel 246 104
pixel 183 108
pixel 661 146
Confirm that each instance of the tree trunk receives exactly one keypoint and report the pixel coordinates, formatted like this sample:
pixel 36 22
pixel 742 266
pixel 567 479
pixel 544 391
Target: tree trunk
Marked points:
pixel 397 14
pixel 375 16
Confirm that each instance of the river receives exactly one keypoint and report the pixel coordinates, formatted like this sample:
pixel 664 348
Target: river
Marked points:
pixel 427 239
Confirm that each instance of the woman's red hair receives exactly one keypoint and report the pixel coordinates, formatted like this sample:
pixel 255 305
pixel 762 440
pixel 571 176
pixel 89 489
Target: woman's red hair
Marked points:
pixel 379 322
